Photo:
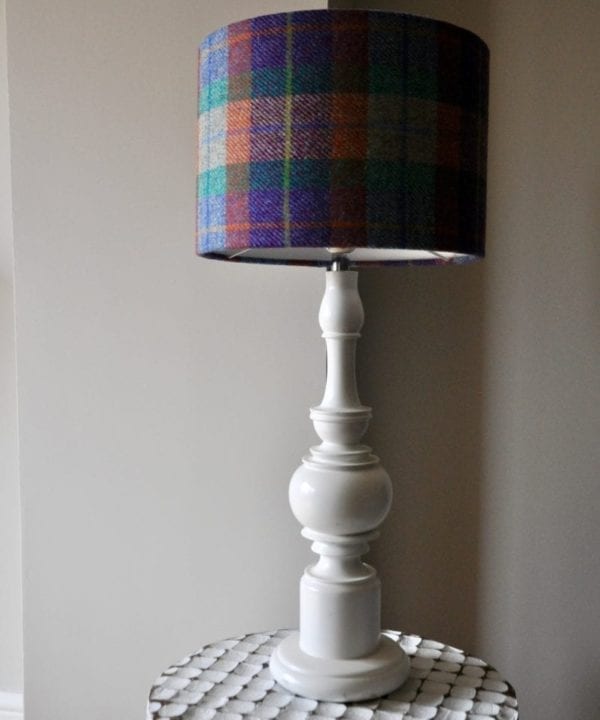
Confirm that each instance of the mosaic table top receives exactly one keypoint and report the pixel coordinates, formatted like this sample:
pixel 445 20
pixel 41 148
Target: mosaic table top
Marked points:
pixel 230 680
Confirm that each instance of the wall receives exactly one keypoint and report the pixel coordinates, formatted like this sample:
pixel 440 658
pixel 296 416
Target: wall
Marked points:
pixel 542 462
pixel 160 418
pixel 11 642
pixel 163 398
pixel 485 379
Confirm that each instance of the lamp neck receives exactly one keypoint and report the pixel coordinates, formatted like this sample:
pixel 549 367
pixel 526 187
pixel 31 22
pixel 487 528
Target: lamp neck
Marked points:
pixel 340 263
pixel 341 418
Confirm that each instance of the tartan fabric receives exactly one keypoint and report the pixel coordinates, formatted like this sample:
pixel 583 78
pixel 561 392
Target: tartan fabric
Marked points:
pixel 342 128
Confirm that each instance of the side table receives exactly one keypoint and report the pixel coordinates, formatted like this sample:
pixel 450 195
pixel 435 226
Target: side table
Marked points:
pixel 230 680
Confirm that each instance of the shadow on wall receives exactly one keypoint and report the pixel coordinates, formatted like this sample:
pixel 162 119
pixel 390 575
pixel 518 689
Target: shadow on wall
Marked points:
pixel 420 366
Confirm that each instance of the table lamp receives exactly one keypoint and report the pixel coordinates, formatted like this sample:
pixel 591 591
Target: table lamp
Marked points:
pixel 341 138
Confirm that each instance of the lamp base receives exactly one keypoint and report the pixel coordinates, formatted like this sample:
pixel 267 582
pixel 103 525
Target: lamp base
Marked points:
pixel 362 678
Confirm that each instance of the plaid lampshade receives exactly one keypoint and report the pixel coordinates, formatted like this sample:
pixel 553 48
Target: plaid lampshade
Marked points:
pixel 342 129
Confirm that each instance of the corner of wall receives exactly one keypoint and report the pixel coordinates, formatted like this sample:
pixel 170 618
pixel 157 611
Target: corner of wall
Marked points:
pixel 11 624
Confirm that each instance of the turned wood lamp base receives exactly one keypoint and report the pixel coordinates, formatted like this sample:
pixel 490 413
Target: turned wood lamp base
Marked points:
pixel 340 494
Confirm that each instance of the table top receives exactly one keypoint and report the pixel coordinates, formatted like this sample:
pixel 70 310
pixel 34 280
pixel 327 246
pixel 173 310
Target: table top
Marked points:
pixel 230 680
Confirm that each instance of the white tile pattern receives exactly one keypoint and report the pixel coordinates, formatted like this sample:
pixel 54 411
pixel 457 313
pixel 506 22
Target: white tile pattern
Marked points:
pixel 230 680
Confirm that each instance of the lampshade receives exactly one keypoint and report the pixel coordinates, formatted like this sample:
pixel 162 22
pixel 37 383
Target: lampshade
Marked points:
pixel 347 129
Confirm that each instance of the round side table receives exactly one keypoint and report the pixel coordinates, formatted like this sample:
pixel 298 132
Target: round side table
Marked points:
pixel 230 680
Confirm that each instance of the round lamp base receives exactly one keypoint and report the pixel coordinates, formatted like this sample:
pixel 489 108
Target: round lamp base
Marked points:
pixel 362 678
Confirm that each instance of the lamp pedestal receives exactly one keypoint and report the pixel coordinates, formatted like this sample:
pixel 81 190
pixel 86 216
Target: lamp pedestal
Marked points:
pixel 340 494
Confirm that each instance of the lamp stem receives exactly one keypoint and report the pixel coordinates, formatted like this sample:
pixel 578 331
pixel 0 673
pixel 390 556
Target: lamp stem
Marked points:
pixel 341 494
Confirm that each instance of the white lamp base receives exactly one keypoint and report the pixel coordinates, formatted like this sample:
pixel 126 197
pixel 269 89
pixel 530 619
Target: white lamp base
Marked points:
pixel 362 678
pixel 340 494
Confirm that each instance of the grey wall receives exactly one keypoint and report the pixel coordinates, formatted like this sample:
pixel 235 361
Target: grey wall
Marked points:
pixel 540 567
pixel 163 399
pixel 485 379
pixel 11 624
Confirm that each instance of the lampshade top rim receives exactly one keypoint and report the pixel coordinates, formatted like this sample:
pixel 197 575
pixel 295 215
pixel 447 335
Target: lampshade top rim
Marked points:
pixel 331 11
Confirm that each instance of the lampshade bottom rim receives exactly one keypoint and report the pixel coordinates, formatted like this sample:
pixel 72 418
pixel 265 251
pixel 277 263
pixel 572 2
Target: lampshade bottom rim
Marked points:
pixel 322 256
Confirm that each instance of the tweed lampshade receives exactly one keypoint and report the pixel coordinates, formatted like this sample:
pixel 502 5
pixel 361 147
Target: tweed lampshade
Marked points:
pixel 342 129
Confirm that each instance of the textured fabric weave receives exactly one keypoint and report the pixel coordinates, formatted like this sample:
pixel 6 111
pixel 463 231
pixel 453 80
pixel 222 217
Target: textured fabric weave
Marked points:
pixel 329 128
